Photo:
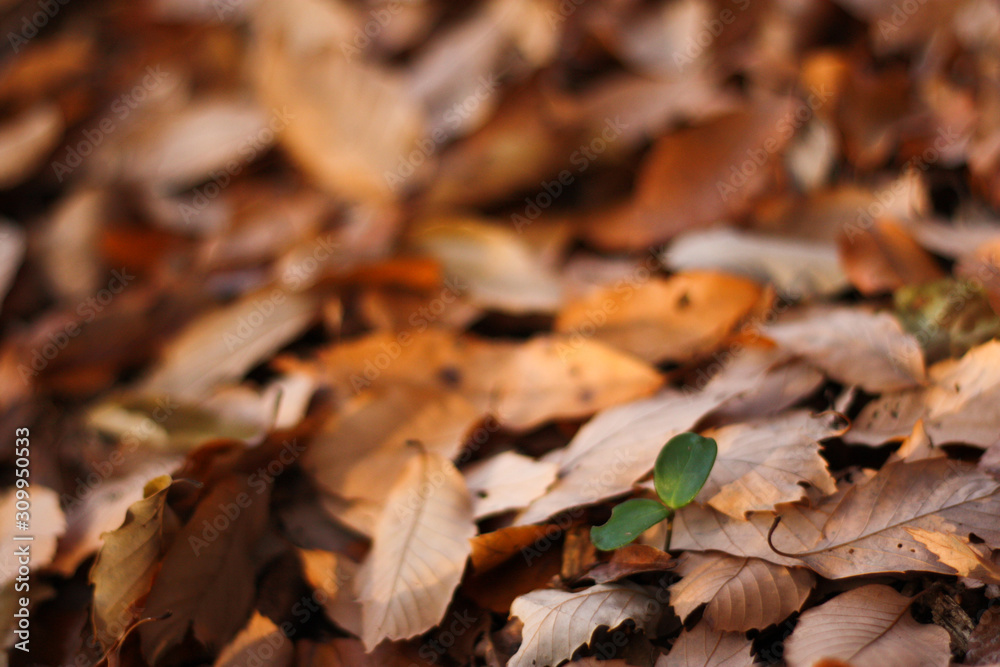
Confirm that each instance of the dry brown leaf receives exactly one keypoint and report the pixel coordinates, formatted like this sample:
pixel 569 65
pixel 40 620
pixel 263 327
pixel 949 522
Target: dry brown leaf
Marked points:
pixel 618 446
pixel 870 626
pixel 46 524
pixel 26 140
pixel 124 569
pixel 418 554
pixel 704 647
pixel 969 560
pixel 334 575
pixel 885 257
pixel 353 125
pixel 222 345
pixel 522 384
pixel 631 559
pixel 507 481
pixel 797 268
pixel 956 407
pixel 766 462
pixel 261 644
pixel 853 346
pixel 556 623
pixel 741 593
pixel 362 450
pixel 984 643
pixel 686 181
pixel 674 319
pixel 11 253
pixel 489 264
pixel 492 549
pixel 862 530
pixel 206 581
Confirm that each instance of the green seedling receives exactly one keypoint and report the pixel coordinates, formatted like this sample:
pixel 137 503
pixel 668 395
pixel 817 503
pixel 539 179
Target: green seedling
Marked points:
pixel 681 469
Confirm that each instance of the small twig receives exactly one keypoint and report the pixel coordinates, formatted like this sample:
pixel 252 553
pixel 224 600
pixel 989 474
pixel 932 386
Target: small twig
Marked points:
pixel 776 550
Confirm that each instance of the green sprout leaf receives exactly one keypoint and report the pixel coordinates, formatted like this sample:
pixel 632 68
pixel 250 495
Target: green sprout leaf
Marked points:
pixel 682 468
pixel 627 522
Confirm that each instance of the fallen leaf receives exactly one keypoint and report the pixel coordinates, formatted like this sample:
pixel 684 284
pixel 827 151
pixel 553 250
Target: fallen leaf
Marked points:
pixel 968 560
pixel 704 647
pixel 684 316
pixel 522 384
pixel 885 257
pixel 492 549
pixel 862 530
pixel 767 462
pixel 631 559
pixel 797 268
pixel 11 254
pixel 206 580
pixel 984 643
pixel 870 626
pixel 494 266
pixel 224 344
pixel 334 575
pixel 741 593
pixel 427 521
pixel 852 346
pixel 556 623
pixel 956 407
pixel 127 563
pixel 26 140
pixel 261 643
pixel 507 481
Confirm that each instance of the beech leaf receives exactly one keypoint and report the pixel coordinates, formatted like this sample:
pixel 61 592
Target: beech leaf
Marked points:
pixel 869 626
pixel 418 554
pixel 557 623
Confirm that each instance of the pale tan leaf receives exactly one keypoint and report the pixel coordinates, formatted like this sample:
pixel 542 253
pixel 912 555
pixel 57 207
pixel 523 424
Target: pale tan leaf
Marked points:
pixel 618 446
pixel 363 449
pixel 206 580
pixel 862 530
pixel 45 524
pixel 260 644
pixel 870 626
pixel 224 344
pixel 418 552
pixel 491 263
pixel 854 347
pixel 124 569
pixel 354 126
pixel 12 247
pixel 506 482
pixel 969 560
pixel 958 406
pixel 333 576
pixel 672 319
pixel 522 384
pixel 704 647
pixel 26 140
pixel 741 593
pixel 796 268
pixel 770 461
pixel 556 623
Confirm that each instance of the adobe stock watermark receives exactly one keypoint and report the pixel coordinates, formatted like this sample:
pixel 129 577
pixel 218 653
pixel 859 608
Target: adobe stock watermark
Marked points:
pixel 429 144
pixel 785 128
pixel 581 158
pixel 378 19
pixel 121 107
pixel 30 25
pixel 87 310
pixel 249 150
pixel 901 13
